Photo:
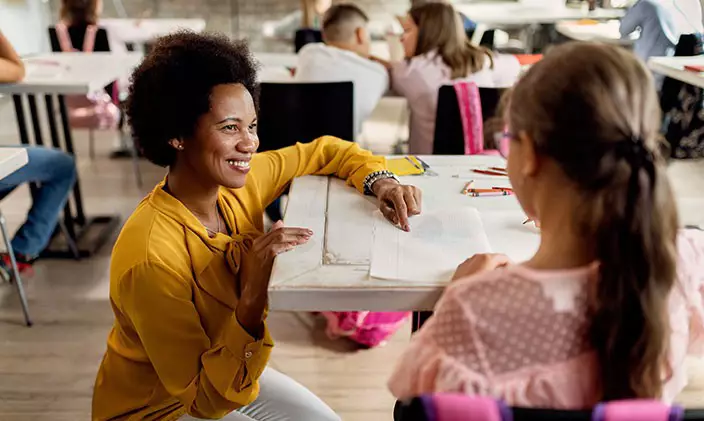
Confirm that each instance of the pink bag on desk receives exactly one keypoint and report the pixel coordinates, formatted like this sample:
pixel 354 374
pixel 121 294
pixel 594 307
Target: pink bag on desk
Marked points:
pixel 97 110
pixel 367 328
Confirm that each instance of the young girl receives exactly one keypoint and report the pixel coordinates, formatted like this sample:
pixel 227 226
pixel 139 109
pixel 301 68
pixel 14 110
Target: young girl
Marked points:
pixel 611 304
pixel 437 52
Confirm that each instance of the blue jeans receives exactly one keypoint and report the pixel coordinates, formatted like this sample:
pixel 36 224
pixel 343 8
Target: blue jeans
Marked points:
pixel 55 171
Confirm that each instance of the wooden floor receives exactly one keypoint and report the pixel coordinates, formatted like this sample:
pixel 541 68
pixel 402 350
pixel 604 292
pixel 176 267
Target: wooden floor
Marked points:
pixel 47 371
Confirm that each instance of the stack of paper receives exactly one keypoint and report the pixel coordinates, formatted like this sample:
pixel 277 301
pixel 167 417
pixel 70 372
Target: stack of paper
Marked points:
pixel 438 242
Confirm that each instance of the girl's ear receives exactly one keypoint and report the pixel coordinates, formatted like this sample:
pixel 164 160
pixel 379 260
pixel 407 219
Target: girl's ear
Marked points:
pixel 530 162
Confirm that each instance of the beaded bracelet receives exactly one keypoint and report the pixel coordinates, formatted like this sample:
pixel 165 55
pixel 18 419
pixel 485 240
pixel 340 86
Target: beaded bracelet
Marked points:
pixel 374 177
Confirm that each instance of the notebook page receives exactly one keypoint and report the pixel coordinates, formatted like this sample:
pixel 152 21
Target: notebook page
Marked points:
pixel 438 242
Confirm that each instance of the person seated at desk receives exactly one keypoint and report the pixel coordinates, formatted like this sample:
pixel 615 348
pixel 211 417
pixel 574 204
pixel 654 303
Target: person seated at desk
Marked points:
pixel 661 23
pixel 343 57
pixel 77 28
pixel 190 271
pixel 437 53
pixel 612 302
pixel 53 170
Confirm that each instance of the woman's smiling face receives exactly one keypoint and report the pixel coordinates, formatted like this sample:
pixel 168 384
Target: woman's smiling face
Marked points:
pixel 225 138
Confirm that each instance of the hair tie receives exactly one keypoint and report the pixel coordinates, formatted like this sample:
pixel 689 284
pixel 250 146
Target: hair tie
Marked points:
pixel 634 151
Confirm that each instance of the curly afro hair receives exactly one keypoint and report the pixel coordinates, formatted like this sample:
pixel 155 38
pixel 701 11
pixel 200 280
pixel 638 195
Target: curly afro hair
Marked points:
pixel 171 88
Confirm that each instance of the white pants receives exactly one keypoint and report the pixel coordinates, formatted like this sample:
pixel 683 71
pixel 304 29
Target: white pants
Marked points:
pixel 281 399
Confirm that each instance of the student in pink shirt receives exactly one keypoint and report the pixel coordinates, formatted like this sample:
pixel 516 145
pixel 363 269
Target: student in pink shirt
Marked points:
pixel 438 52
pixel 612 303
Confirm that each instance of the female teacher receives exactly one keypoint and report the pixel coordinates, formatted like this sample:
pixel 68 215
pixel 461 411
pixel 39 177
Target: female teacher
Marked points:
pixel 190 270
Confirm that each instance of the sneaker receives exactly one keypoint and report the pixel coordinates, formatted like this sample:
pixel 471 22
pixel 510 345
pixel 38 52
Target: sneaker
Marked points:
pixel 23 266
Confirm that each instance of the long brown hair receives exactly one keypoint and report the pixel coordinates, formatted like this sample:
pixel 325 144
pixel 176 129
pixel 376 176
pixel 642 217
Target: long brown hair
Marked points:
pixel 79 12
pixel 440 28
pixel 593 109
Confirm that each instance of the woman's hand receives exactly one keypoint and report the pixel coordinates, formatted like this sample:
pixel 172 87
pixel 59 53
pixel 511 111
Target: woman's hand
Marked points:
pixel 255 271
pixel 480 263
pixel 398 202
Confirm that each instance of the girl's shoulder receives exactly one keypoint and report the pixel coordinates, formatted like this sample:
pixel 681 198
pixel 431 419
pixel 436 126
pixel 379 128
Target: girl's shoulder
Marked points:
pixel 516 286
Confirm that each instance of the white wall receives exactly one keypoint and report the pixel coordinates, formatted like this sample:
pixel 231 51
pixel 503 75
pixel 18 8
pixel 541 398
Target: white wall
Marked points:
pixel 24 23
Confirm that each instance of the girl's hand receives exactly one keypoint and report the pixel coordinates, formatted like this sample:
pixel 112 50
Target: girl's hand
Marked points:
pixel 398 202
pixel 255 271
pixel 480 263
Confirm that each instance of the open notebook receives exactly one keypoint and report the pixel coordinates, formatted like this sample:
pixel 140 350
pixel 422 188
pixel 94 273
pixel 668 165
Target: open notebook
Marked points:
pixel 438 242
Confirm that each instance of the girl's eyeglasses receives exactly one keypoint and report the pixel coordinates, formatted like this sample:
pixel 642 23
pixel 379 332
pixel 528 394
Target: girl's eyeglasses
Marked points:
pixel 502 141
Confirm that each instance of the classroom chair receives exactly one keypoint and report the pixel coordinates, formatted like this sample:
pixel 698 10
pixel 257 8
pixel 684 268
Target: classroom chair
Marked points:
pixel 455 407
pixel 306 36
pixel 301 112
pixel 15 273
pixel 449 136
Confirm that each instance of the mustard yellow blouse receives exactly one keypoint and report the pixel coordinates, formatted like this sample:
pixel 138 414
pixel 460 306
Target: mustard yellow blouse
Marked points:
pixel 176 346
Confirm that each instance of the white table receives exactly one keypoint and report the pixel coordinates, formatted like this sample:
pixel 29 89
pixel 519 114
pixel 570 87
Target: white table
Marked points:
pixel 71 73
pixel 602 32
pixel 276 59
pixel 332 271
pixel 11 160
pixel 511 13
pixel 54 76
pixel 674 67
pixel 140 31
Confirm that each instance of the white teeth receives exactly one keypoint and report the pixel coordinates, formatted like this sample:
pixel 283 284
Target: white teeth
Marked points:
pixel 240 164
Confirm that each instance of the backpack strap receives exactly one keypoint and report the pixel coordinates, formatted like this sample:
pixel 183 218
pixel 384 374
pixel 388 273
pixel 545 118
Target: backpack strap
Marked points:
pixel 471 115
pixel 452 407
pixel 89 39
pixel 64 38
pixel 641 410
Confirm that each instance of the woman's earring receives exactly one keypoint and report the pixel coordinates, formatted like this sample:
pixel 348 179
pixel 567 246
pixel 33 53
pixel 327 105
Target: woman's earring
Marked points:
pixel 180 147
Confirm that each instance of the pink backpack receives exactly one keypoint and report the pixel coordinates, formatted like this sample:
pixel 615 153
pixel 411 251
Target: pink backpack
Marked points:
pixel 96 110
pixel 472 118
pixel 367 328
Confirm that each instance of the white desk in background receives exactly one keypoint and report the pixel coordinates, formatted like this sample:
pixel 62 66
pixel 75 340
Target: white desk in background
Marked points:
pixel 11 160
pixel 603 32
pixel 674 67
pixel 54 76
pixel 511 13
pixel 332 271
pixel 141 31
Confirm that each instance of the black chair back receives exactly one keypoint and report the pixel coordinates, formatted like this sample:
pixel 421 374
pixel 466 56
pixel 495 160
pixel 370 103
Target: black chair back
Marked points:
pixel 487 38
pixel 449 133
pixel 301 112
pixel 306 36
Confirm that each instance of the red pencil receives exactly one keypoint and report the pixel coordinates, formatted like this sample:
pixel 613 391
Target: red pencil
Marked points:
pixel 486 172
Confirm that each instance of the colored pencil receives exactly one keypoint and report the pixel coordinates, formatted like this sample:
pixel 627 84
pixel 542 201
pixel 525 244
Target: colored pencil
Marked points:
pixel 486 172
pixel 467 187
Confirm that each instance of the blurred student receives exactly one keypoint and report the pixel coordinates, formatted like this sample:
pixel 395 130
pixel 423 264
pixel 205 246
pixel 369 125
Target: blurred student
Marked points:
pixel 344 57
pixel 77 29
pixel 661 23
pixel 611 304
pixel 437 53
pixel 53 170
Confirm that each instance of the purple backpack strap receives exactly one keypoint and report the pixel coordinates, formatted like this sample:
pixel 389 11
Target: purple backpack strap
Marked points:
pixel 640 410
pixel 453 407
